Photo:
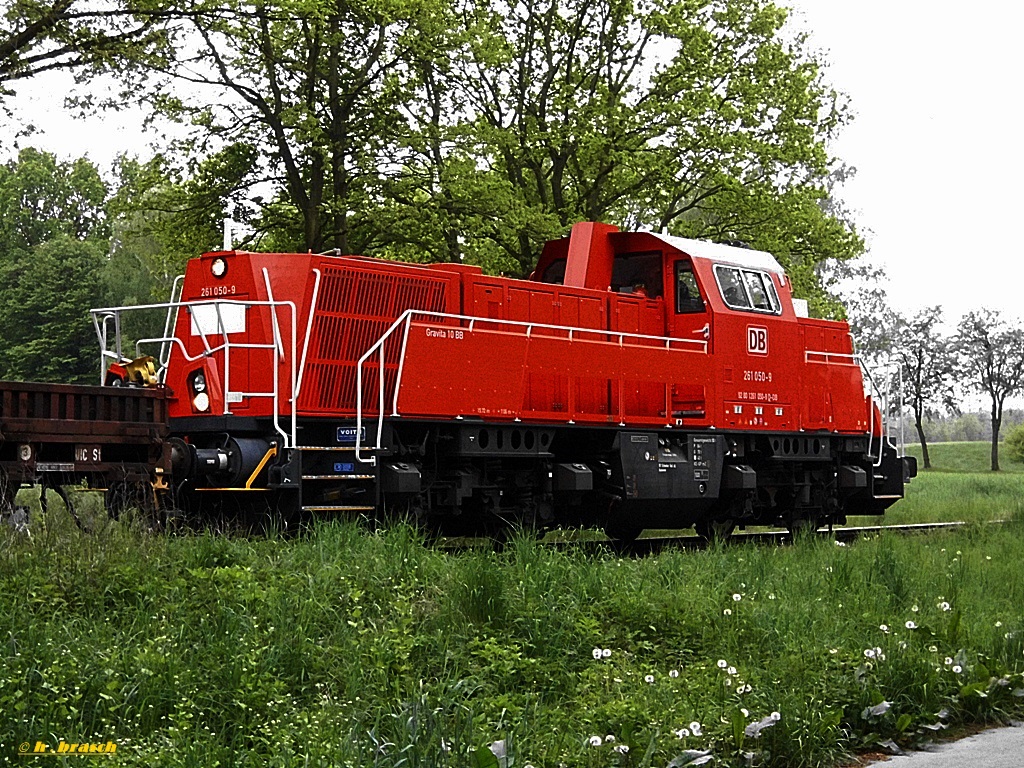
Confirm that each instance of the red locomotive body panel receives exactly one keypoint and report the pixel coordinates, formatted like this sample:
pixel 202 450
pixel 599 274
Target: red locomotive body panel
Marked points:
pixel 637 353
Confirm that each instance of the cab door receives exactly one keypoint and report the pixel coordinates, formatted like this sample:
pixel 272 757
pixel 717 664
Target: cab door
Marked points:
pixel 689 314
pixel 689 319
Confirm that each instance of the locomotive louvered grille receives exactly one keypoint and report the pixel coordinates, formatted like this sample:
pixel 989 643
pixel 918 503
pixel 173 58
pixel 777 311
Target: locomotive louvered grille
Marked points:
pixel 355 308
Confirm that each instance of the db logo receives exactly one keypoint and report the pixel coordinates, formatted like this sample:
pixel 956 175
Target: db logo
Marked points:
pixel 757 340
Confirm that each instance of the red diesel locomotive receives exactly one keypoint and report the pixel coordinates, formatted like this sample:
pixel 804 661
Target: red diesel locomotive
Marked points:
pixel 636 380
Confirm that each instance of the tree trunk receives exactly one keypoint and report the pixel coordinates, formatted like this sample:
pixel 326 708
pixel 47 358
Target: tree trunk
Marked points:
pixel 997 419
pixel 924 443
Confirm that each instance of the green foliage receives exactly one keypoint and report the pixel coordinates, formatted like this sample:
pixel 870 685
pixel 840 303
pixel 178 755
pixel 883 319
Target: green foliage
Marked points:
pixel 346 648
pixel 47 293
pixel 42 198
pixel 41 35
pixel 1014 444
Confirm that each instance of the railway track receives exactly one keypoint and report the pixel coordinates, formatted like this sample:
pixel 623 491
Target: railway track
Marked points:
pixel 655 544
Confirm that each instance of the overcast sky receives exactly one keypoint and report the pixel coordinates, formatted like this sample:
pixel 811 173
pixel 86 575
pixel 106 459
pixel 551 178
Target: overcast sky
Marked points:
pixel 936 141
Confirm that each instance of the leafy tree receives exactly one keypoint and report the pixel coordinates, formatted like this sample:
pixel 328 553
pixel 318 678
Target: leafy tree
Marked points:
pixel 48 291
pixel 701 118
pixel 298 100
pixel 992 355
pixel 41 198
pixel 928 368
pixel 41 35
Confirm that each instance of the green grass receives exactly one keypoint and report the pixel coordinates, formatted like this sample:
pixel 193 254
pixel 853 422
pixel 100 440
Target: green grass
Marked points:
pixel 965 457
pixel 345 648
pixel 960 486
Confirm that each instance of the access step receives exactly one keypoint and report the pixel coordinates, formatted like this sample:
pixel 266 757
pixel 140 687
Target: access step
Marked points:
pixel 327 508
pixel 339 477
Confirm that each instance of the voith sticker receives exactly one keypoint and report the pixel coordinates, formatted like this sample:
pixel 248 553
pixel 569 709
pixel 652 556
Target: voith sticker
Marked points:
pixel 757 340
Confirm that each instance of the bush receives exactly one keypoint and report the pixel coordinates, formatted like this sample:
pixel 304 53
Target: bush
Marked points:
pixel 1014 444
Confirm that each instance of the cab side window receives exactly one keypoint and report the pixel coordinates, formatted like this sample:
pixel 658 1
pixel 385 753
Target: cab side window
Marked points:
pixel 747 289
pixel 688 299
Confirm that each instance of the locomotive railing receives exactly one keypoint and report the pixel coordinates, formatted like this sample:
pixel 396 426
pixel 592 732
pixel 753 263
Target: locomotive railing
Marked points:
pixel 873 393
pixel 102 318
pixel 471 323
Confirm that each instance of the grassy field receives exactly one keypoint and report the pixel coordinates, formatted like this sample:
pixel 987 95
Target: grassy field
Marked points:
pixel 344 648
pixel 960 486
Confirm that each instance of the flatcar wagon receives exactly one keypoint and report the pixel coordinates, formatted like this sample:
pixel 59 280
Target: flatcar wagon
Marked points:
pixel 636 380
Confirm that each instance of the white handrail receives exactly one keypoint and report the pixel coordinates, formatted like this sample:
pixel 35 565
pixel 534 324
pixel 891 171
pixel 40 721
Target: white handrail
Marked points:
pixel 309 332
pixel 405 320
pixel 100 317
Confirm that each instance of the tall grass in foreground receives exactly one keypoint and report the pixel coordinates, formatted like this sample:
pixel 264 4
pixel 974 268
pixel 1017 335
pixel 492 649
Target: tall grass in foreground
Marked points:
pixel 350 649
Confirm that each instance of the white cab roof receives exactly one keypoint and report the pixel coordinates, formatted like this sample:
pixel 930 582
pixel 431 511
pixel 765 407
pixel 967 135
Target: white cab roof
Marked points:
pixel 723 254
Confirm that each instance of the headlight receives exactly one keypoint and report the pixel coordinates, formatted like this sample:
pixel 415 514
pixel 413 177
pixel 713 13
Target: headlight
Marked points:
pixel 201 402
pixel 219 267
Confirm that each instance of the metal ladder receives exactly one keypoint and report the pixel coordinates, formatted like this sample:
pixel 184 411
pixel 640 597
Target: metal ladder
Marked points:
pixel 333 482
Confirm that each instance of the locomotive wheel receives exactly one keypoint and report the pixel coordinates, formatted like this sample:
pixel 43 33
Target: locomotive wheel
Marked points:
pixel 715 529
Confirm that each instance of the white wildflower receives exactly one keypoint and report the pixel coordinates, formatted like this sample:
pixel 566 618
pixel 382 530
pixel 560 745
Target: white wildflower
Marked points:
pixel 596 741
pixel 911 625
pixel 737 597
pixel 673 673
pixel 606 653
pixel 621 748
pixel 695 728
pixel 596 653
pixel 957 669
pixel 649 679
pixel 682 733
pixel 722 663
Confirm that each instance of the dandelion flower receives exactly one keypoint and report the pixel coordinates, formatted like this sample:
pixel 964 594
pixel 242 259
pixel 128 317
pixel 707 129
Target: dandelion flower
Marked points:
pixel 775 716
pixel 731 671
pixel 884 628
pixel 957 669
pixel 596 653
pixel 869 653
pixel 609 738
pixel 682 733
pixel 911 625
pixel 722 663
pixel 727 612
pixel 949 661
pixel 621 748
pixel 606 653
pixel 737 597
pixel 673 673
pixel 695 728
pixel 649 679
pixel 595 741
pixel 944 605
